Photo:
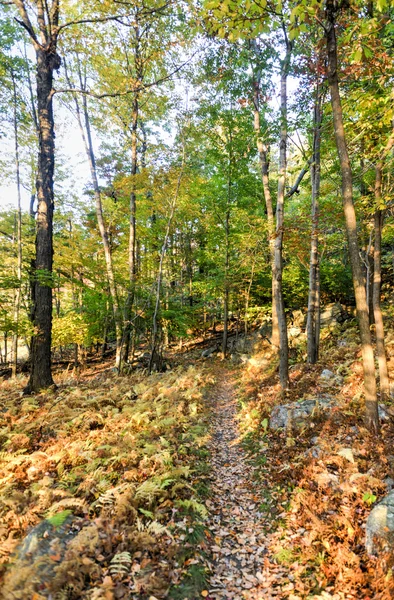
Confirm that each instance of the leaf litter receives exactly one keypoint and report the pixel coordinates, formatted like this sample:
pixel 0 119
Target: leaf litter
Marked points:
pixel 241 567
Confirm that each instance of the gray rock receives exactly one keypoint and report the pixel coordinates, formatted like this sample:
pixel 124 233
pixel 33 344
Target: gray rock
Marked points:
pixel 34 556
pixel 297 413
pixel 331 314
pixel 209 351
pixel 389 481
pixel 244 358
pixel 327 377
pixel 314 452
pixel 39 540
pixel 383 412
pixel 379 528
pixel 327 374
pixel 265 330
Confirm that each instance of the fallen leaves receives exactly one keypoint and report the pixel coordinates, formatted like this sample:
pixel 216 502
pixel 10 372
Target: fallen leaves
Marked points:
pixel 240 568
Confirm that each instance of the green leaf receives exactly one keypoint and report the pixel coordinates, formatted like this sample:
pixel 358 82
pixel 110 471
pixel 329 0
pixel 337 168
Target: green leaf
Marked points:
pixel 369 498
pixel 357 55
pixel 59 518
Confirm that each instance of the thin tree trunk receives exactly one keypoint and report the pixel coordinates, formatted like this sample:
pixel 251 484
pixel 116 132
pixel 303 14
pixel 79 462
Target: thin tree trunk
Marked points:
pixel 132 236
pixel 155 320
pixel 377 279
pixel 247 300
pixel 278 262
pixel 263 151
pixel 18 235
pixel 313 320
pixel 139 74
pixel 371 404
pixel 226 293
pixel 88 143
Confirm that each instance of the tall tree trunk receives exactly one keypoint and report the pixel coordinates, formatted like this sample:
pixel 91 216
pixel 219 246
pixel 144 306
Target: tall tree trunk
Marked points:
pixel 247 300
pixel 132 235
pixel 371 404
pixel 377 279
pixel 226 291
pixel 155 320
pixel 263 151
pixel 313 320
pixel 18 233
pixel 104 235
pixel 278 256
pixel 86 135
pixel 41 374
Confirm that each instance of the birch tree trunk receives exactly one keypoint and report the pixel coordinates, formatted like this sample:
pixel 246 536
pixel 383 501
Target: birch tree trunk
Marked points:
pixel 371 404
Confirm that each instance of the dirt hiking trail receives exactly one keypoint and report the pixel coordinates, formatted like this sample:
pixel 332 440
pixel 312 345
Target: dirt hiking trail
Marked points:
pixel 241 567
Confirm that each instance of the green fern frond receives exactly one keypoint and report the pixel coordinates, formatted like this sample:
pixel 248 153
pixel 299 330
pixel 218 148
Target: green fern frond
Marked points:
pixel 120 564
pixel 192 506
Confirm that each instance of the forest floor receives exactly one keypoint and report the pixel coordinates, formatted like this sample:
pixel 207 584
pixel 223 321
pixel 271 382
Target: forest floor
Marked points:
pixel 240 566
pixel 174 485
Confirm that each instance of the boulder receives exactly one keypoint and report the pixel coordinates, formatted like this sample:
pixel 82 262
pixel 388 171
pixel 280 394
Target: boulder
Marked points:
pixel 296 414
pixel 210 351
pixel 334 313
pixel 328 378
pixel 34 565
pixel 298 319
pixel 379 528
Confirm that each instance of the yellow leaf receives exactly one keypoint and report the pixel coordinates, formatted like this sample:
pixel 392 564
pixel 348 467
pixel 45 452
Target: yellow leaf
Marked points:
pixel 204 593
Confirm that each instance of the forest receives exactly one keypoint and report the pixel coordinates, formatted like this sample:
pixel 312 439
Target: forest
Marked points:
pixel 196 317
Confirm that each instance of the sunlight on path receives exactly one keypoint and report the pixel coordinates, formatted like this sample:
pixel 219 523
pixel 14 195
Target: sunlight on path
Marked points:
pixel 240 568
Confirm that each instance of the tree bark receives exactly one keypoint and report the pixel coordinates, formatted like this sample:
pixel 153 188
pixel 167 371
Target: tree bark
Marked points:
pixel 371 404
pixel 132 235
pixel 278 245
pixel 41 374
pixel 226 291
pixel 86 135
pixel 313 319
pixel 377 279
pixel 18 291
pixel 263 151
pixel 47 61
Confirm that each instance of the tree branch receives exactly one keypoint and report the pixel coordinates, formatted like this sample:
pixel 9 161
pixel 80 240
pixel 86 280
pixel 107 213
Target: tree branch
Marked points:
pixel 133 90
pixel 25 21
pixel 294 189
pixel 110 18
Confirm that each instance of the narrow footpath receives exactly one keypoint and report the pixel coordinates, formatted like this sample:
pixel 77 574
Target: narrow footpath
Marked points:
pixel 241 567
